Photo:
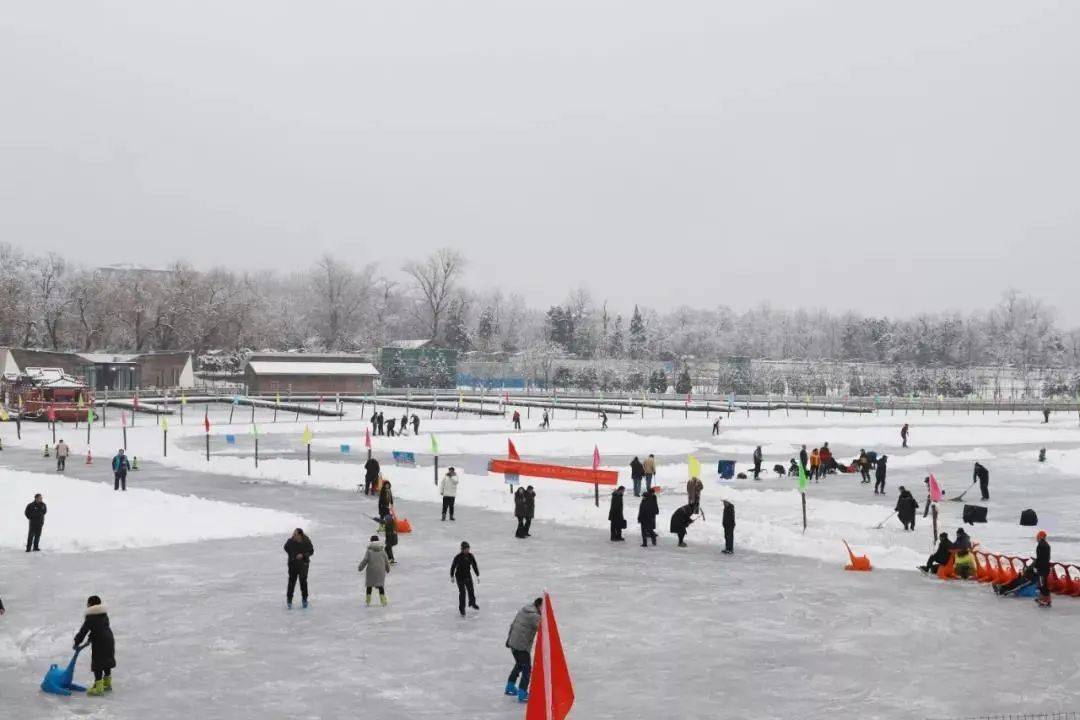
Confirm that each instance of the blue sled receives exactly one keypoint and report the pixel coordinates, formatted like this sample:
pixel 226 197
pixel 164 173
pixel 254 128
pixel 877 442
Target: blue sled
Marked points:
pixel 61 682
pixel 1027 591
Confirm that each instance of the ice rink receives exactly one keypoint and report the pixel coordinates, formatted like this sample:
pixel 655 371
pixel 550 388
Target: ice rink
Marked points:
pixel 189 562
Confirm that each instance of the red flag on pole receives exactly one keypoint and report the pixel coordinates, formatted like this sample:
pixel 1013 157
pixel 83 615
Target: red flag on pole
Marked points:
pixel 511 451
pixel 367 437
pixel 551 690
pixel 595 457
pixel 51 414
pixel 206 420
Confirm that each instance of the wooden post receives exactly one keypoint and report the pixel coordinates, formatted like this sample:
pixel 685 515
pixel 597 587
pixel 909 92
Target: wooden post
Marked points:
pixel 803 511
pixel 54 432
pixel 256 451
pixel 309 459
pixel 124 429
pixel 164 442
pixel 88 424
pixel 436 471
pixel 232 409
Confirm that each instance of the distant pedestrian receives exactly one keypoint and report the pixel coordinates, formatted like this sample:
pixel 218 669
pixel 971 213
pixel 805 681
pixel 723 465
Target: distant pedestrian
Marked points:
pixel 415 424
pixel 386 499
pixel 371 475
pixel 681 519
pixel 378 566
pixel 530 508
pixel 826 460
pixel 520 641
pixel 404 426
pixel 646 517
pixel 716 426
pixel 120 467
pixel 906 508
pixel 1042 567
pixel 815 464
pixel 62 452
pixel 615 514
pixel 729 528
pixel 637 472
pixel 388 524
pixel 1046 415
pixel 983 476
pixel 461 570
pixel 804 460
pixel 519 511
pixel 102 645
pixel 649 466
pixel 381 422
pixel 757 462
pixel 694 487
pixel 374 423
pixel 545 421
pixel 603 420
pixel 448 489
pixel 904 434
pixel 864 466
pixel 517 420
pixel 879 475
pixel 390 427
pixel 35 515
pixel 298 552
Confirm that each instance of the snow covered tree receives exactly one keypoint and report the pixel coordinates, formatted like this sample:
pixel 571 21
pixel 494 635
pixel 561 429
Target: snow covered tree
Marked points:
pixel 436 278
pixel 637 335
pixel 685 383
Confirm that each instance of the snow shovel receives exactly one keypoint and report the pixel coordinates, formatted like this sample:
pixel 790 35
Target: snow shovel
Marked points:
pixel 960 497
pixel 60 681
pixel 882 523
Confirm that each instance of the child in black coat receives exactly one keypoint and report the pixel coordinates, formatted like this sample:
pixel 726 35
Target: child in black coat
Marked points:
pixel 102 645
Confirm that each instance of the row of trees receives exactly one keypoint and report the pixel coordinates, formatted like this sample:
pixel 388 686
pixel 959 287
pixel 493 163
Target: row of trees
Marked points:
pixel 46 301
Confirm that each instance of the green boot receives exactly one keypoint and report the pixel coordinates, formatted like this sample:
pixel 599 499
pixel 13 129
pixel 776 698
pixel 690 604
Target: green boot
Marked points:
pixel 98 689
pixel 382 600
pixel 108 683
pixel 367 599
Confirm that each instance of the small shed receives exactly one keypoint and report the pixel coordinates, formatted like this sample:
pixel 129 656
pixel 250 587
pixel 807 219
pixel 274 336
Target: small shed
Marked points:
pixel 315 374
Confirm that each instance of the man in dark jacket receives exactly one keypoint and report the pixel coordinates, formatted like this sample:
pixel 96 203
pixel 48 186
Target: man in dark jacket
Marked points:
pixel 729 528
pixel 681 519
pixel 390 427
pixel 120 467
pixel 983 476
pixel 35 513
pixel 904 434
pixel 864 466
pixel 637 472
pixel 804 459
pixel 298 552
pixel 940 556
pixel 519 511
pixel 102 645
pixel 646 517
pixel 879 475
pixel 461 570
pixel 615 514
pixel 371 475
pixel 530 508
pixel 374 422
pixel 381 421
pixel 415 424
pixel 1042 567
pixel 906 507
pixel 757 462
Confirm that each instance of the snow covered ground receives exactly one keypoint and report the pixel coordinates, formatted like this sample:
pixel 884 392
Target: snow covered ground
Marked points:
pixel 778 630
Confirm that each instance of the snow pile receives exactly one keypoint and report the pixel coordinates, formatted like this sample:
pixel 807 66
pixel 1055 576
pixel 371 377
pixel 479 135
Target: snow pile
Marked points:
pixel 84 516
pixel 917 459
pixel 975 454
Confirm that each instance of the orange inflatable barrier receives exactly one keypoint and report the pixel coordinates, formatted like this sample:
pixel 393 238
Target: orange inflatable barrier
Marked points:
pixel 556 472
pixel 859 563
pixel 948 570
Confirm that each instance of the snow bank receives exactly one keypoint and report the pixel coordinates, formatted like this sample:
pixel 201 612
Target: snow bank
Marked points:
pixel 85 516
pixel 917 459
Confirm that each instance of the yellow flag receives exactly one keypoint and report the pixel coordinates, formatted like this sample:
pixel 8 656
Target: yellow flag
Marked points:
pixel 165 423
pixel 3 414
pixel 183 399
pixel 694 466
pixel 308 435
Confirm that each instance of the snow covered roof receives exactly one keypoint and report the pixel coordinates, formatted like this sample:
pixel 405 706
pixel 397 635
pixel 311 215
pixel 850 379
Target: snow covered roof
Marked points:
pixel 299 367
pixel 410 344
pixel 104 358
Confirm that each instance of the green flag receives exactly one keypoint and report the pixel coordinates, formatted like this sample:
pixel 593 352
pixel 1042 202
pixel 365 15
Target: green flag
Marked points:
pixel 802 478
pixel 254 430
pixel 434 445
pixel 89 415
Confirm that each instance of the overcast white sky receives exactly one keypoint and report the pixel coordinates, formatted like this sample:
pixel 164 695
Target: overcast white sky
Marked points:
pixel 888 157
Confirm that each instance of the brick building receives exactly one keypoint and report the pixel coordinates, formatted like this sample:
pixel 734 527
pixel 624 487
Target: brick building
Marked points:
pixel 309 373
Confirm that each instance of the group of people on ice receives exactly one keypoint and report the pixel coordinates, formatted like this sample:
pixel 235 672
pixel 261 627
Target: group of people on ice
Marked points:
pixel 380 425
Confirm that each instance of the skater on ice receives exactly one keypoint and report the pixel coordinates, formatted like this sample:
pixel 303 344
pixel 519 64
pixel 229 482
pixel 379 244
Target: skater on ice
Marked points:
pixel 615 514
pixel 637 472
pixel 728 522
pixel 377 566
pixel 649 468
pixel 298 552
pixel 35 516
pixel 62 452
pixel 120 467
pixel 879 475
pixel 102 645
pixel 520 641
pixel 646 517
pixel 448 490
pixel 904 434
pixel 461 571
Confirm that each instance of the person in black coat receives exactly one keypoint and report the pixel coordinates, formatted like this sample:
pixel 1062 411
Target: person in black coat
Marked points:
pixel 374 423
pixel 637 472
pixel 681 519
pixel 729 528
pixel 940 556
pixel 519 511
pixel 646 517
pixel 102 645
pixel 879 475
pixel 615 514
pixel 757 462
pixel 35 514
pixel 389 527
pixel 415 424
pixel 298 552
pixel 380 421
pixel 1042 567
pixel 906 507
pixel 371 475
pixel 983 476
pixel 390 427
pixel 386 499
pixel 461 570
pixel 530 508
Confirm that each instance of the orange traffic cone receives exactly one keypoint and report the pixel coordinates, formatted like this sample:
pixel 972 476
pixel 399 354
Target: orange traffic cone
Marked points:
pixel 859 563
pixel 89 457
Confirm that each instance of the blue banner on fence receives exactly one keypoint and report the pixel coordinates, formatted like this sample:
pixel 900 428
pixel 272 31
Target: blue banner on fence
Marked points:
pixel 345 449
pixel 230 439
pixel 404 458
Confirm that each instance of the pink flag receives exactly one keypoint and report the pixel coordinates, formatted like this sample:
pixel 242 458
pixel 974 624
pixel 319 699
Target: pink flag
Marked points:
pixel 595 457
pixel 367 438
pixel 935 489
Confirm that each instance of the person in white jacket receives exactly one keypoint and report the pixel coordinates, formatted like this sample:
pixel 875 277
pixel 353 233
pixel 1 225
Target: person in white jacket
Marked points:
pixel 448 488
